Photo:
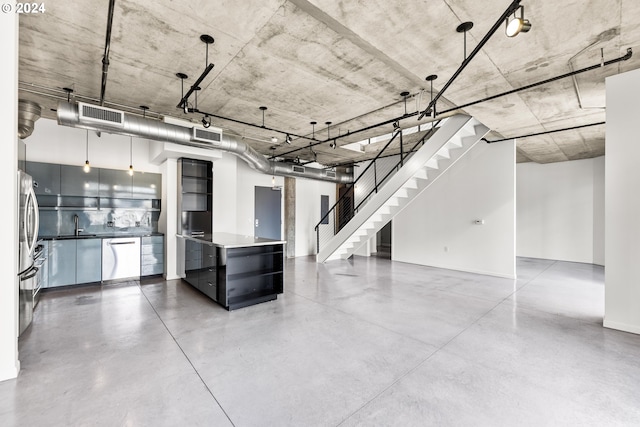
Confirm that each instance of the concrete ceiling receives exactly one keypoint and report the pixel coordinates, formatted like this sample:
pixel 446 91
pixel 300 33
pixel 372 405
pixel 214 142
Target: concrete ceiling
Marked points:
pixel 341 61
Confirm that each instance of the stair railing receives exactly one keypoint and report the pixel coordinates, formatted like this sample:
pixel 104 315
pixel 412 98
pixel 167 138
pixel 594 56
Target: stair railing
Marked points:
pixel 347 206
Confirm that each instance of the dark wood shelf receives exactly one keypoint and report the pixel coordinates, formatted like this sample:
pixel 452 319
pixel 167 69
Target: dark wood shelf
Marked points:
pixel 251 274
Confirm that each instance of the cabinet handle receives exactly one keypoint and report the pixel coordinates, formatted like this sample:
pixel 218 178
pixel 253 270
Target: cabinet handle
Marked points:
pixel 121 243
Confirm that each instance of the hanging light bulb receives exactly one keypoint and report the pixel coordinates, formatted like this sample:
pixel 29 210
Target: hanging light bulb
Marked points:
pixel 87 167
pixel 130 156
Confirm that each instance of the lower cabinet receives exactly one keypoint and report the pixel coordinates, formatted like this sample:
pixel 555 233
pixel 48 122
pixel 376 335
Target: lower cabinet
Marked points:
pixel 74 261
pixel 235 277
pixel 88 260
pixel 152 255
pixel 62 263
pixel 77 261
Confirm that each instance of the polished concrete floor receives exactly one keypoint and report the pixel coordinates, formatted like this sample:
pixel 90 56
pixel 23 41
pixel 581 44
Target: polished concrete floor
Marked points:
pixel 361 342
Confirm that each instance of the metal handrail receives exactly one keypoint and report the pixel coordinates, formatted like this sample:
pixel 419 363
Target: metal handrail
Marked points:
pixel 377 184
pixel 357 179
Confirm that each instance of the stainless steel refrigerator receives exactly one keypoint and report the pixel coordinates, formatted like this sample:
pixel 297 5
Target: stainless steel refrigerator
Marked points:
pixel 28 223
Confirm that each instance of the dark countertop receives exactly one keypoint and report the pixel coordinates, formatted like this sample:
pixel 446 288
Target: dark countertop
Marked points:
pixel 98 236
pixel 229 240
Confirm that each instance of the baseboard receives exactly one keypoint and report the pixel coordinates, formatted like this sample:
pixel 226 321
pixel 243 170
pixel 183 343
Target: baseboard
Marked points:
pixel 634 329
pixel 484 273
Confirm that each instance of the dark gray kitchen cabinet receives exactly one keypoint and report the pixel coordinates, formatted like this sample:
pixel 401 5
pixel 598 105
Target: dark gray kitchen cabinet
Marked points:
pixel 88 260
pixel 76 182
pixel 115 184
pixel 147 185
pixel 62 262
pixel 46 178
pixel 151 255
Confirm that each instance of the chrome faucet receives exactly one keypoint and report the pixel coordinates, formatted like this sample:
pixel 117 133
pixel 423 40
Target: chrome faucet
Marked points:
pixel 76 230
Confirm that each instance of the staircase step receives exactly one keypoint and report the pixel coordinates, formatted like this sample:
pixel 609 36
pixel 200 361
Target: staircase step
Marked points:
pixel 455 136
pixel 421 174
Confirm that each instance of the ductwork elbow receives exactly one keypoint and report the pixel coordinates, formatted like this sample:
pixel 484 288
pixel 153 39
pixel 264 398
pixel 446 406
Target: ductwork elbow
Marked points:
pixel 28 113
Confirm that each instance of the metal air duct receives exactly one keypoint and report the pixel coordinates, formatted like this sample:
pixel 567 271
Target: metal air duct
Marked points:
pixel 28 113
pixel 141 127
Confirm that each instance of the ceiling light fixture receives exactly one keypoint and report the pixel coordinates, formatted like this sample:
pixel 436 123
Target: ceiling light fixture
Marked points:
pixel 332 144
pixel 195 94
pixel 463 28
pixel 206 121
pixel 69 92
pixel 396 126
pixel 313 129
pixel 87 166
pixel 287 139
pixel 404 95
pixel 430 78
pixel 130 172
pixel 183 76
pixel 263 109
pixel 517 25
pixel 328 124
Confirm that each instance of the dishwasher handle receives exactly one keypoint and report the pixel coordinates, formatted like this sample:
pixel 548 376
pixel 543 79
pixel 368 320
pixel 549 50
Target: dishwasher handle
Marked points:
pixel 121 243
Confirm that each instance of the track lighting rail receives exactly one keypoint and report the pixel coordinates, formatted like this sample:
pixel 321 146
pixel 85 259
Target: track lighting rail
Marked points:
pixel 196 84
pixel 510 10
pixel 542 82
pixel 543 133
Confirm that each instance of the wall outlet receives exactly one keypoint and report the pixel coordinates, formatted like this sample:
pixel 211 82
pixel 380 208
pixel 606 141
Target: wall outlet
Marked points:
pixel 109 223
pixel 137 223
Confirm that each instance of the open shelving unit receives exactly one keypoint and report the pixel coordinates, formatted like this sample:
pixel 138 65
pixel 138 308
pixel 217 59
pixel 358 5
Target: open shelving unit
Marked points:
pixel 195 196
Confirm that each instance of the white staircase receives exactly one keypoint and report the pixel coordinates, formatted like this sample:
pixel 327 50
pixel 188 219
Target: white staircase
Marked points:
pixel 454 138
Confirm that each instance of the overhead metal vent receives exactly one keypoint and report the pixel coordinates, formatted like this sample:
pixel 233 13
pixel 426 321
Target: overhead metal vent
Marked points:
pixel 210 136
pixel 330 174
pixel 98 114
pixel 298 169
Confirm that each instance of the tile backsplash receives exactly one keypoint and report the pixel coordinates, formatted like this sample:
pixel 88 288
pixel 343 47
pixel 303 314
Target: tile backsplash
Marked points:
pixel 101 222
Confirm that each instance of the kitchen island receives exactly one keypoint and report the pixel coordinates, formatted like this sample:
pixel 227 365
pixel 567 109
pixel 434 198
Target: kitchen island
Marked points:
pixel 234 270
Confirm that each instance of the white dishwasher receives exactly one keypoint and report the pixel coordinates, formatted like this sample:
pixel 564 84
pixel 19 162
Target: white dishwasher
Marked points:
pixel 120 258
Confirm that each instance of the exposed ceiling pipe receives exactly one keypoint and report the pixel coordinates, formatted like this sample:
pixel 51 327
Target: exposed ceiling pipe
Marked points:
pixel 625 57
pixel 449 111
pixel 142 127
pixel 107 47
pixel 498 24
pixel 543 133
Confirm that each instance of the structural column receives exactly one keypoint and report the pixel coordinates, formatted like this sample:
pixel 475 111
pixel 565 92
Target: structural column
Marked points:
pixel 290 215
pixel 9 364
pixel 622 204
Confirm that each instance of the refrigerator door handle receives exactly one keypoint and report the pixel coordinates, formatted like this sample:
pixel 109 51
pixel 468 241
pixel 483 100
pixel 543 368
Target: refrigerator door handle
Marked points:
pixel 33 219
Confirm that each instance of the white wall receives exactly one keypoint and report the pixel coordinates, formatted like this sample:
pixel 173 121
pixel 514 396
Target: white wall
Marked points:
pixel 9 364
pixel 308 194
pixel 560 210
pixel 52 143
pixel 246 181
pixel 437 228
pixel 622 203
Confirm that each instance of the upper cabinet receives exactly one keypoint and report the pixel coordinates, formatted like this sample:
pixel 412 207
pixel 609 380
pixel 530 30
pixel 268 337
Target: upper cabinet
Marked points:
pixel 147 185
pixel 67 180
pixel 46 178
pixel 116 184
pixel 76 182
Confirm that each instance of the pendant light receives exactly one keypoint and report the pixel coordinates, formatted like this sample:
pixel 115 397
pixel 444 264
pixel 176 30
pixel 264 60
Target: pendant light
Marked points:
pixel 87 166
pixel 130 156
